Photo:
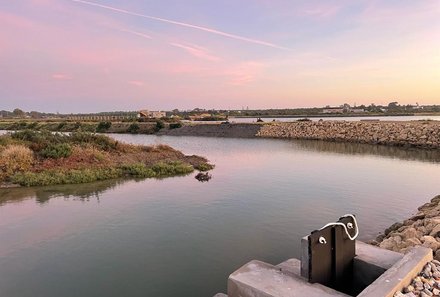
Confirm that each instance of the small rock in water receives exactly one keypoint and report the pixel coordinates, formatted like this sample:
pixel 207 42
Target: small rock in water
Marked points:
pixel 203 177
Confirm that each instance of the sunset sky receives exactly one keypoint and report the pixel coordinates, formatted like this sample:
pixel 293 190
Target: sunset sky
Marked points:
pixel 103 55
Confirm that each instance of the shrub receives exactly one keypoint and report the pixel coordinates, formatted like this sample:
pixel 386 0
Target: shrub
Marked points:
pixel 159 125
pixel 15 158
pixel 87 127
pixel 39 140
pixel 22 125
pixel 54 177
pixel 175 125
pixel 61 125
pixel 5 140
pixel 89 155
pixel 32 125
pixel 38 136
pixel 101 141
pixel 56 151
pixel 138 170
pixel 204 167
pixel 133 128
pixel 163 169
pixel 103 126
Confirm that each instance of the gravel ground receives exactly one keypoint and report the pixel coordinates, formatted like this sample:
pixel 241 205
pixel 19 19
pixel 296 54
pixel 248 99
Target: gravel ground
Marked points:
pixel 427 283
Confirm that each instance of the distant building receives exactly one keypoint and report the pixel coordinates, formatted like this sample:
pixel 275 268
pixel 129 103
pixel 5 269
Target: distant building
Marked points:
pixel 151 114
pixel 357 110
pixel 333 110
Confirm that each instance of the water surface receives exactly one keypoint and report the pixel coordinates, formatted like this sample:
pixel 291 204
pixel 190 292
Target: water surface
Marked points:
pixel 180 237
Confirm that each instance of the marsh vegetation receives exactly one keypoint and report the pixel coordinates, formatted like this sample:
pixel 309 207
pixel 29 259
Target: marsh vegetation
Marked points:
pixel 33 158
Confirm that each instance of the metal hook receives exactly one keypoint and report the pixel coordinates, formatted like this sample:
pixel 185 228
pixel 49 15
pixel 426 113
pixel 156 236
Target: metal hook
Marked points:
pixel 345 227
pixel 322 240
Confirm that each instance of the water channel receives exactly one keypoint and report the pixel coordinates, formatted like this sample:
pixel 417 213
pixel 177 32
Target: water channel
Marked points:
pixel 180 237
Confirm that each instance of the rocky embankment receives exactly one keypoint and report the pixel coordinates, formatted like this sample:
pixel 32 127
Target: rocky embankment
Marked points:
pixel 423 229
pixel 424 134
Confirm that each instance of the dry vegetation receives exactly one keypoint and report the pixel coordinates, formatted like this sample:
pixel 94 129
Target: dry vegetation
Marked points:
pixel 31 158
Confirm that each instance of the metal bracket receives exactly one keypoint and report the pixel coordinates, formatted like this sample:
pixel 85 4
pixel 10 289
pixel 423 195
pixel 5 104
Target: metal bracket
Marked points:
pixel 331 250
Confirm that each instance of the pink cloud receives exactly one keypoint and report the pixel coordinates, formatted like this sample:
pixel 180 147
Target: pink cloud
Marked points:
pixel 185 68
pixel 61 76
pixel 16 21
pixel 42 2
pixel 245 73
pixel 136 83
pixel 196 51
pixel 322 11
pixel 380 12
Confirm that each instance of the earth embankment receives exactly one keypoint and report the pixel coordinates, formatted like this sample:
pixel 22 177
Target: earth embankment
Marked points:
pixel 215 130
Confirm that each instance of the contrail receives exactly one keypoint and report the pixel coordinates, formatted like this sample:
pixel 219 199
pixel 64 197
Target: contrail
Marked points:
pixel 213 31
pixel 136 33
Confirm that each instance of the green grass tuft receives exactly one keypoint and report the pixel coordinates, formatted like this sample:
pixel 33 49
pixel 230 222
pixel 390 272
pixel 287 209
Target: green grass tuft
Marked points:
pixel 204 167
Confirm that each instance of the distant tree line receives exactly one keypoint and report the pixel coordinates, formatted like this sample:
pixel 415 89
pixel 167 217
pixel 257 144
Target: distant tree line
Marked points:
pixel 392 108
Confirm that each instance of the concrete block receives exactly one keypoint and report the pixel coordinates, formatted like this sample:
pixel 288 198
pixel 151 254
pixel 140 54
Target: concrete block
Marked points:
pixel 377 256
pixel 370 263
pixel 364 274
pixel 305 257
pixel 291 266
pixel 400 274
pixel 259 279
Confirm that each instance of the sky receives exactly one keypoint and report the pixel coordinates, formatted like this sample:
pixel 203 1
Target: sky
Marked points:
pixel 103 55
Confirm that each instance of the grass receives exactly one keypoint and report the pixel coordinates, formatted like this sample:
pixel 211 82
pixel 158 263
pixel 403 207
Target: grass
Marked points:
pixel 79 176
pixel 56 151
pixel 60 176
pixel 31 158
pixel 15 158
pixel 204 166
pixel 129 126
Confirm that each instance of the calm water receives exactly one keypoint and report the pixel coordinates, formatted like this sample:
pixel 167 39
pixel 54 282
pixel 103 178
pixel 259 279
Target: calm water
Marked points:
pixel 180 237
pixel 383 118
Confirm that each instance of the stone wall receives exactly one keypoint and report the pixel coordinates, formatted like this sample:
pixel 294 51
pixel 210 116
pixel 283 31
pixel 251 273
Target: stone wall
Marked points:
pixel 425 134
